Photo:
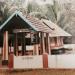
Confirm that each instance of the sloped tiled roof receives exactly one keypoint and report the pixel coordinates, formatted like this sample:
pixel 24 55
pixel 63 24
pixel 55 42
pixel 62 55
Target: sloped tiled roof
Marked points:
pixel 57 31
pixel 38 24
pixel 33 22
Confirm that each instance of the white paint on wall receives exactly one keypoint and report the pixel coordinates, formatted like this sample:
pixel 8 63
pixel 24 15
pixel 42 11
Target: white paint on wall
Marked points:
pixel 51 61
pixel 26 62
pixel 54 61
pixel 66 61
pixel 61 61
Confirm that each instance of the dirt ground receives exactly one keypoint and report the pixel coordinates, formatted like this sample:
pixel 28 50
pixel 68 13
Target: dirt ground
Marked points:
pixel 38 72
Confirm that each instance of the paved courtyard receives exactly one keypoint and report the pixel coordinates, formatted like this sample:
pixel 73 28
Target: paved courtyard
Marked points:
pixel 39 72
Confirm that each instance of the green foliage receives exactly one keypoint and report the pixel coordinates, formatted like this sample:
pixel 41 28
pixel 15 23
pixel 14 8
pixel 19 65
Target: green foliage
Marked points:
pixel 33 7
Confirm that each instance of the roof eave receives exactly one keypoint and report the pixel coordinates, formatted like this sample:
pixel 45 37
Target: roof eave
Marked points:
pixel 17 13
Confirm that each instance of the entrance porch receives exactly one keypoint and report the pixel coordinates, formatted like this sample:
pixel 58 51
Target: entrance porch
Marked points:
pixel 23 36
pixel 22 44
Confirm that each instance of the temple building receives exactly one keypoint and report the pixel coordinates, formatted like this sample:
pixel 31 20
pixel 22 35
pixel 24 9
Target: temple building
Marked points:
pixel 27 39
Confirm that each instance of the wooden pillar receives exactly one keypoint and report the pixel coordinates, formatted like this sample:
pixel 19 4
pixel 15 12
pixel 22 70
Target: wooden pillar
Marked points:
pixel 61 41
pixel 45 60
pixel 37 45
pixel 58 41
pixel 23 44
pixel 45 52
pixel 11 47
pixel 42 42
pixel 5 49
pixel 52 42
pixel 15 44
pixel 36 49
pixel 49 45
pixel 45 55
pixel 48 50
